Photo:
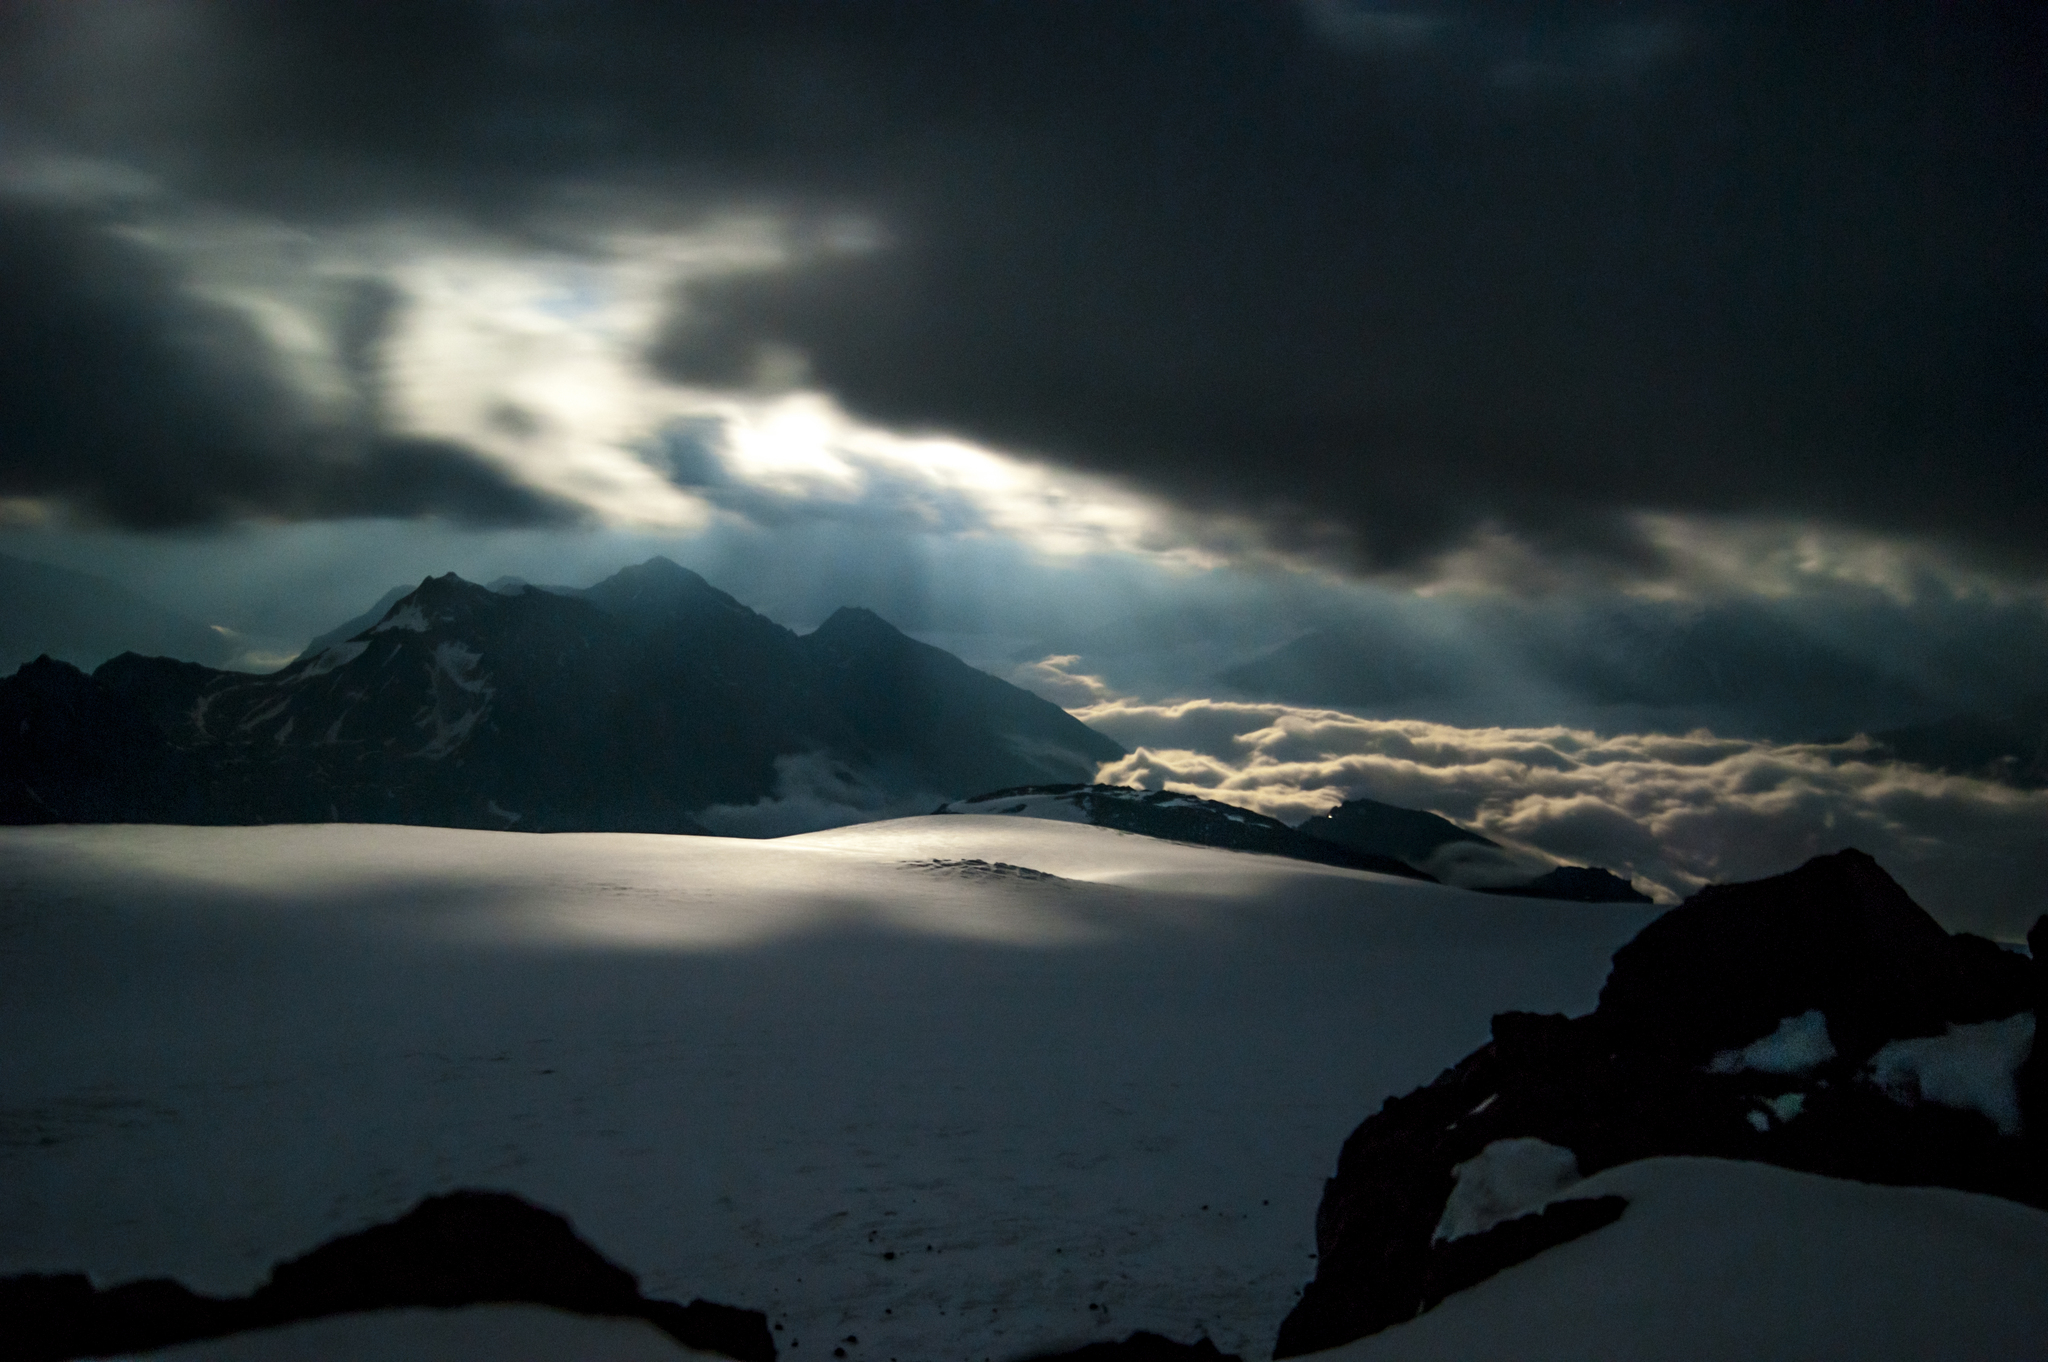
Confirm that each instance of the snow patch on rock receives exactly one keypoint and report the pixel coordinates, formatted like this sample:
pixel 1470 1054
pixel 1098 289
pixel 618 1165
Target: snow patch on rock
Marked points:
pixel 410 618
pixel 1971 1068
pixel 458 662
pixel 340 655
pixel 1507 1178
pixel 1799 1045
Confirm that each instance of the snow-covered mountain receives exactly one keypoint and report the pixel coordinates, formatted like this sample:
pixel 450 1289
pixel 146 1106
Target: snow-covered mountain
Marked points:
pixel 907 1099
pixel 629 706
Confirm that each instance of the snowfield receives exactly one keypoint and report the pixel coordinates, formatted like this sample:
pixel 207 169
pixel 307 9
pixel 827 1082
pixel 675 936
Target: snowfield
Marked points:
pixel 879 1082
pixel 1716 1260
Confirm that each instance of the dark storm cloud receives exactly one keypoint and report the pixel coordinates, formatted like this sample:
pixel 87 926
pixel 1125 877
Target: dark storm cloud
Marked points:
pixel 1374 274
pixel 141 406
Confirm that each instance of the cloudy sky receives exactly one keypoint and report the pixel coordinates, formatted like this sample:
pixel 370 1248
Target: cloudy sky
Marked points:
pixel 1603 370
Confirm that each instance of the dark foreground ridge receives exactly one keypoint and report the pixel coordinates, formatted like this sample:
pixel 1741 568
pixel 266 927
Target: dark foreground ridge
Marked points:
pixel 1142 1347
pixel 1819 1020
pixel 465 1248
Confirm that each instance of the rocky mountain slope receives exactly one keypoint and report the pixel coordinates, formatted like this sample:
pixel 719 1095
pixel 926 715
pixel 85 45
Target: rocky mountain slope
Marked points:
pixel 625 708
pixel 1362 834
pixel 1176 817
pixel 1367 825
pixel 1416 836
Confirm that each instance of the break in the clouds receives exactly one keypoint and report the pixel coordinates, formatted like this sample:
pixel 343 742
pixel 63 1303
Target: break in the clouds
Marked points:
pixel 1389 284
pixel 131 401
pixel 1675 812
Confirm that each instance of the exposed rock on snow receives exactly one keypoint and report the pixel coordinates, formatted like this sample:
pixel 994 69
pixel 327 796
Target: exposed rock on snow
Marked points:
pixel 1739 1025
pixel 976 868
pixel 1143 1347
pixel 1176 817
pixel 464 1248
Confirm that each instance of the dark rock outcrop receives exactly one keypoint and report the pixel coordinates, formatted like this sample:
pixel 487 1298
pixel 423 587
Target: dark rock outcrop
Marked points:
pixel 1575 884
pixel 1410 835
pixel 1176 817
pixel 1742 1024
pixel 1837 934
pixel 465 1248
pixel 1142 1347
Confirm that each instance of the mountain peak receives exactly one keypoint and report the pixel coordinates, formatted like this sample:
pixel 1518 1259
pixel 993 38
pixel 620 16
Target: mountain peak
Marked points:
pixel 856 622
pixel 658 592
pixel 665 571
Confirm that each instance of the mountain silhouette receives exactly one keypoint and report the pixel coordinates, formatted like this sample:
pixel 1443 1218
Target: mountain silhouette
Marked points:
pixel 629 706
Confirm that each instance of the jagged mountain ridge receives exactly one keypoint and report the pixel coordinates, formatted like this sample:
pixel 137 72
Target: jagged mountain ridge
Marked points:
pixel 627 707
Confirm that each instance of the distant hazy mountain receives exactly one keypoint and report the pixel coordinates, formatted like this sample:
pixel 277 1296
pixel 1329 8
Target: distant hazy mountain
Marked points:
pixel 1735 671
pixel 84 620
pixel 1377 829
pixel 627 707
pixel 2011 747
pixel 348 629
pixel 1177 818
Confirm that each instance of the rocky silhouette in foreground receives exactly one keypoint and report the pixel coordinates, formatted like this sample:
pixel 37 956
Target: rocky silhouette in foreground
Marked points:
pixel 1142 1347
pixel 465 1248
pixel 1818 1020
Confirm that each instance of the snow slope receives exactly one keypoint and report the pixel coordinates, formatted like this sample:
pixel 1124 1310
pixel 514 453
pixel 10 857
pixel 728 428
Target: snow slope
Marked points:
pixel 1716 1260
pixel 746 1070
pixel 876 1081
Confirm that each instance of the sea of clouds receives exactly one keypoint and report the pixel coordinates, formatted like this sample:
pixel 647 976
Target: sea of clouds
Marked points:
pixel 1673 812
